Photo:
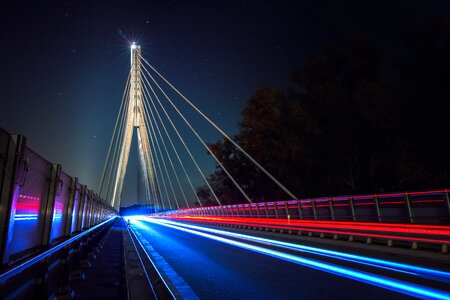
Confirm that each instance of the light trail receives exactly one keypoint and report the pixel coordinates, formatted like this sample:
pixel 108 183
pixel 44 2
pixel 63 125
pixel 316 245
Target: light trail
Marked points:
pixel 353 229
pixel 392 227
pixel 376 280
pixel 380 263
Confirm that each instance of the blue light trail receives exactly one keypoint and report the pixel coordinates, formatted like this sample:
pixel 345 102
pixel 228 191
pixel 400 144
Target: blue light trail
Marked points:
pixel 380 263
pixel 376 280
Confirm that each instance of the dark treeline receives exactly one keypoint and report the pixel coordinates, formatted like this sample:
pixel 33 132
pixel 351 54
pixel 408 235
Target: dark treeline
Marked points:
pixel 358 119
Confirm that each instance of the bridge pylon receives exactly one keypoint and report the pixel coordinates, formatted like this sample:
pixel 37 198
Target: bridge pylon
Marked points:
pixel 135 120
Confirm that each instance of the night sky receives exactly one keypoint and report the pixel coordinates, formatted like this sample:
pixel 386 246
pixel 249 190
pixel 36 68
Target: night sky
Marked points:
pixel 64 65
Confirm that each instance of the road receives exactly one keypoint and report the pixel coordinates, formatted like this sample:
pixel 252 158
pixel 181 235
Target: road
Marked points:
pixel 217 266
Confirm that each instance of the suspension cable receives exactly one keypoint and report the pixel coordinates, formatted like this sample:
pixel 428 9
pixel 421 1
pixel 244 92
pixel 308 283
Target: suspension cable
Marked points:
pixel 280 185
pixel 162 159
pixel 153 144
pixel 200 139
pixel 122 102
pixel 175 150
pixel 172 144
pixel 167 151
pixel 158 165
pixel 115 158
pixel 183 142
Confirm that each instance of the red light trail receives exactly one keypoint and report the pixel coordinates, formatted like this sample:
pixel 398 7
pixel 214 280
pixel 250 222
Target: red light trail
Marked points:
pixel 406 232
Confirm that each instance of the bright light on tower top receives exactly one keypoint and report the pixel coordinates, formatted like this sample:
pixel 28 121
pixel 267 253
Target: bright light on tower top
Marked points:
pixel 133 46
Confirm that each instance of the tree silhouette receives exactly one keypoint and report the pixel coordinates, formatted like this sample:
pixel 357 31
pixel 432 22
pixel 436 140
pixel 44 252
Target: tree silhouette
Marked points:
pixel 344 128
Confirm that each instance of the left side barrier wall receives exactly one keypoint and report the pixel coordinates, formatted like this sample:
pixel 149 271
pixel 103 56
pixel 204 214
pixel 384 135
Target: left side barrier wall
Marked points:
pixel 40 205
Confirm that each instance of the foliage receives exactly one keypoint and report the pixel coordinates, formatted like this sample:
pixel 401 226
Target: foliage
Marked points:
pixel 356 122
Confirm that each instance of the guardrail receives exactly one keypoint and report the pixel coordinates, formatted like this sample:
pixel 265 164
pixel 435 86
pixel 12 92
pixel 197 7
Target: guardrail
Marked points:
pixel 408 217
pixel 423 207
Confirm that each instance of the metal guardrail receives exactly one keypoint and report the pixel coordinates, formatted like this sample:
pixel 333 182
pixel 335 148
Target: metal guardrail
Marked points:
pixel 423 207
pixel 353 217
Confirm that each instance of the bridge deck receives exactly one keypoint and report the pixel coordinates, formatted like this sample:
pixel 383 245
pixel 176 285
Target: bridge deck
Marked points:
pixel 218 271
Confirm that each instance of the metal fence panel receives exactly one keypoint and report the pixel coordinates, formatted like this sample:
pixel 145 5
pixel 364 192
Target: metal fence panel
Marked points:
pixel 393 208
pixel 76 207
pixel 430 207
pixel 84 207
pixel 29 202
pixel 61 202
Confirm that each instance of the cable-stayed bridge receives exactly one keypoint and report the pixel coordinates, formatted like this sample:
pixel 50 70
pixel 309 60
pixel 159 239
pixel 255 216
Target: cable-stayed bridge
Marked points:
pixel 60 239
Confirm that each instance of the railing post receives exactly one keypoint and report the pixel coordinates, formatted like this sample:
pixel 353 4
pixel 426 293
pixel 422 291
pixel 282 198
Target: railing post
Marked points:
pixel 266 209
pixel 299 207
pixel 288 216
pixel 447 198
pixel 377 206
pixel 89 210
pixel 408 206
pixel 70 206
pixel 352 207
pixel 313 205
pixel 330 203
pixel 275 208
pixel 50 204
pixel 81 203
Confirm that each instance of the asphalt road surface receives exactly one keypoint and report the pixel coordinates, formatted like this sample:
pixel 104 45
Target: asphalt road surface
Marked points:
pixel 217 270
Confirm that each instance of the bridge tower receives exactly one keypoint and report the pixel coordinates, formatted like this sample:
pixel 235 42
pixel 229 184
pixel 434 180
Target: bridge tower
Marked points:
pixel 135 120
